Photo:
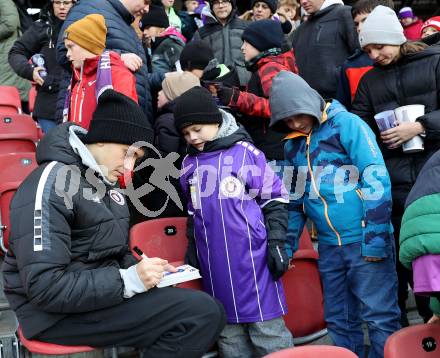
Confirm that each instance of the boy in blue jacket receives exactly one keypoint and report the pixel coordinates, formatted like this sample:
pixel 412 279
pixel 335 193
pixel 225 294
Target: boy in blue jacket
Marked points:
pixel 345 191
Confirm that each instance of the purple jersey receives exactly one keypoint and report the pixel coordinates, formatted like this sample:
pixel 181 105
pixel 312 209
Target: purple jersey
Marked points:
pixel 226 191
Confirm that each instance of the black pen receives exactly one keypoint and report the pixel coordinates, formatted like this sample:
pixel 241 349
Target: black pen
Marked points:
pixel 140 252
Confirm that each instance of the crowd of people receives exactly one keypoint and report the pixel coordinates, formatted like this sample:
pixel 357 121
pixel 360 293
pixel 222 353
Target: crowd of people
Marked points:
pixel 255 125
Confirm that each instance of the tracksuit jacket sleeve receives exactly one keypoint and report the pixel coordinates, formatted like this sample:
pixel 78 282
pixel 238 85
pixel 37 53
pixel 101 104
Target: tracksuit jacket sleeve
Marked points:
pixel 374 186
pixel 343 94
pixel 48 282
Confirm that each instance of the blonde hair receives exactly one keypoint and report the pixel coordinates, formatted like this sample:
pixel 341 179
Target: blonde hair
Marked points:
pixel 293 3
pixel 410 47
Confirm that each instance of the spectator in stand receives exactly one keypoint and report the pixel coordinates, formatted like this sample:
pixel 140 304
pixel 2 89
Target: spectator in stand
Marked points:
pixel 351 207
pixel 262 41
pixel 323 42
pixel 69 274
pixel 191 17
pixel 359 63
pixel 93 69
pixel 222 32
pixel 122 38
pixel 244 274
pixel 173 18
pixel 9 33
pixel 397 79
pixel 41 38
pixel 430 26
pixel 289 10
pixel 264 10
pixel 412 25
pixel 163 41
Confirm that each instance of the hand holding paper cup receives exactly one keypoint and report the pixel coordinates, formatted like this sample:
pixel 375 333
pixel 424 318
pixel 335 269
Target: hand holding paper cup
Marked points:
pixel 409 114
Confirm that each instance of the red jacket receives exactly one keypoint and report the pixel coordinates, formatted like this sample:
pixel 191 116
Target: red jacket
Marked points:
pixel 83 96
pixel 267 68
pixel 413 32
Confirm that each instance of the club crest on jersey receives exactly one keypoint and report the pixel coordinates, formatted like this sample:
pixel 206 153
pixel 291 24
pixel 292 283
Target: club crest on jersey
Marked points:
pixel 231 187
pixel 117 197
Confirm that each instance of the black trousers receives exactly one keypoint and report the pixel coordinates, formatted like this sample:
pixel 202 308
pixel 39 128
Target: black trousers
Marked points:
pixel 164 322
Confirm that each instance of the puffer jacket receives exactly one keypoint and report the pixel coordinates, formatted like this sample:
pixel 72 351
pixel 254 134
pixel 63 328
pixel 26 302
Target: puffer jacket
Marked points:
pixel 253 103
pixel 122 38
pixel 321 45
pixel 68 239
pixel 41 38
pixel 9 33
pixel 323 191
pixel 400 84
pixel 225 41
pixel 420 233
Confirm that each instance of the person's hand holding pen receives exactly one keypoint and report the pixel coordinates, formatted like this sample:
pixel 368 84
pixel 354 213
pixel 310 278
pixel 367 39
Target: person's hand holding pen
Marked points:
pixel 151 270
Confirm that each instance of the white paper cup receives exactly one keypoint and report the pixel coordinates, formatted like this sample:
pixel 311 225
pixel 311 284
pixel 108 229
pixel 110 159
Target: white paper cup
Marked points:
pixel 385 120
pixel 409 114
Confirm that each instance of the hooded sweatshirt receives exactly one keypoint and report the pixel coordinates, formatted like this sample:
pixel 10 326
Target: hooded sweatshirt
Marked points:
pixel 228 185
pixel 346 191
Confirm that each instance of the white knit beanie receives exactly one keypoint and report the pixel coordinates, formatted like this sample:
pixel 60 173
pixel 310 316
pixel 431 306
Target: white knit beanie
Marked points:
pixel 382 27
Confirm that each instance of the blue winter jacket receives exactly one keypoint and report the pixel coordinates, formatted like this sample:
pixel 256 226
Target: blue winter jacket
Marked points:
pixel 347 190
pixel 122 38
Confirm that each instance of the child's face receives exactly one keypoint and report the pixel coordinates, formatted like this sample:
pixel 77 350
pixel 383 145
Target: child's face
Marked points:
pixel 162 100
pixel 249 51
pixel 359 20
pixel 290 11
pixel 198 134
pixel 383 55
pixel 407 21
pixel 76 54
pixel 261 11
pixel 428 31
pixel 191 6
pixel 301 122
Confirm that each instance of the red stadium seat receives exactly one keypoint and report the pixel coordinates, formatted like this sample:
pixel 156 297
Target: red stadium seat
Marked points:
pixel 37 347
pixel 164 238
pixel 313 352
pixel 32 97
pixel 18 133
pixel 303 289
pixel 10 102
pixel 421 341
pixel 14 168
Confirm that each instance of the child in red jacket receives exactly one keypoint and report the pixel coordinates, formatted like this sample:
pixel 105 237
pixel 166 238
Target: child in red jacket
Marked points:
pixel 94 70
pixel 411 24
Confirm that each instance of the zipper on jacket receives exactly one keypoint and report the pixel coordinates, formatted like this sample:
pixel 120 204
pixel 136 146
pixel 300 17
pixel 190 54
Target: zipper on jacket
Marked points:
pixel 327 218
pixel 81 104
pixel 361 198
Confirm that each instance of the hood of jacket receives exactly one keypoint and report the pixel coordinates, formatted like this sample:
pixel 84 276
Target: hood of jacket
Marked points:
pixel 286 59
pixel 63 144
pixel 175 34
pixel 230 132
pixel 283 104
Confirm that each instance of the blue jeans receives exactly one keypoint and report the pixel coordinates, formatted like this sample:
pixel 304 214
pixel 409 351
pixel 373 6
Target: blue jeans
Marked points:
pixel 46 124
pixel 356 290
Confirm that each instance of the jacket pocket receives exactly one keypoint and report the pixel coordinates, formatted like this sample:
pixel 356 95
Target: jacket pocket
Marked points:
pixel 326 33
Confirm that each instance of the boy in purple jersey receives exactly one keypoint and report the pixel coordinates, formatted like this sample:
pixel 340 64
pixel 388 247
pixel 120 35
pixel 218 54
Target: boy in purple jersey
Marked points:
pixel 237 226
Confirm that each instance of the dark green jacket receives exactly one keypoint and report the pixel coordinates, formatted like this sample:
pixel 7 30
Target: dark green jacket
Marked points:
pixel 420 232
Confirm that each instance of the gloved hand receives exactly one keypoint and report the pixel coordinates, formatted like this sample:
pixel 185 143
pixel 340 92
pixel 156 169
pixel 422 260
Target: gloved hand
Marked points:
pixel 277 258
pixel 227 95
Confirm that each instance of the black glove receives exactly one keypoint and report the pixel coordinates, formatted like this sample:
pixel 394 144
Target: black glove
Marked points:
pixel 227 95
pixel 277 259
